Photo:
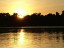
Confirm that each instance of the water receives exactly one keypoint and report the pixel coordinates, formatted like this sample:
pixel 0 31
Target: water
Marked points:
pixel 32 38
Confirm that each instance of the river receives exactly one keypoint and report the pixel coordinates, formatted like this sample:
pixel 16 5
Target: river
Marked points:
pixel 32 38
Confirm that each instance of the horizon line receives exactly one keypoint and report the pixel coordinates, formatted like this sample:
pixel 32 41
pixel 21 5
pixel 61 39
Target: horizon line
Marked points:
pixel 32 27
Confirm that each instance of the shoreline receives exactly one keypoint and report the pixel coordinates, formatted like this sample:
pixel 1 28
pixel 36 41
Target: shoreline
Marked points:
pixel 28 27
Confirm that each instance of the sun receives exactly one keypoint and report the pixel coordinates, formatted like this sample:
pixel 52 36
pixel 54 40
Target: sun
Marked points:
pixel 21 13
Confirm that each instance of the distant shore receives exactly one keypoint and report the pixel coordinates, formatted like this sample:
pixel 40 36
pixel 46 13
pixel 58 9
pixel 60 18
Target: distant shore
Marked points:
pixel 31 27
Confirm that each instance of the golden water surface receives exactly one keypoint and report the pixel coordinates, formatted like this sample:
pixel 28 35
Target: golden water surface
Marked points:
pixel 32 39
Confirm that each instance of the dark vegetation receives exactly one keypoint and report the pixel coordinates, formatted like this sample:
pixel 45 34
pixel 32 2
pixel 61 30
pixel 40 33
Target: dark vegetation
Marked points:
pixel 35 19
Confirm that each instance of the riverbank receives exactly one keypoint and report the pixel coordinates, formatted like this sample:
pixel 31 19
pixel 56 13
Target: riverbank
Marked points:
pixel 31 27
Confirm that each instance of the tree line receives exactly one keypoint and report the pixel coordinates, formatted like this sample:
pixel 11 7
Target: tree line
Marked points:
pixel 35 19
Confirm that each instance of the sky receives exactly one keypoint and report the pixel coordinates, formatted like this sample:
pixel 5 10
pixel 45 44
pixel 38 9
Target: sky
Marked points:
pixel 32 6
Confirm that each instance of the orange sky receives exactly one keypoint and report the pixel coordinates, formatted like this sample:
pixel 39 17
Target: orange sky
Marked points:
pixel 32 6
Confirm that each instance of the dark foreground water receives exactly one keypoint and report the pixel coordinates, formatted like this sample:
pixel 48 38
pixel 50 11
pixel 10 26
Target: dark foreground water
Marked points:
pixel 31 38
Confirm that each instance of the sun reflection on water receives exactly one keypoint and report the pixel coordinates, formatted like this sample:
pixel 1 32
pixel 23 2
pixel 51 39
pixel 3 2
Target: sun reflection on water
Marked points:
pixel 21 39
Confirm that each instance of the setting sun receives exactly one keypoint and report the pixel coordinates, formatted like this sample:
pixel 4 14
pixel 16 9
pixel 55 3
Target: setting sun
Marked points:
pixel 21 13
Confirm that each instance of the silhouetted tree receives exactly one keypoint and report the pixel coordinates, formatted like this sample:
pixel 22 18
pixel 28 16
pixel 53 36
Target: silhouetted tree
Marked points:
pixel 35 19
pixel 62 13
pixel 57 14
